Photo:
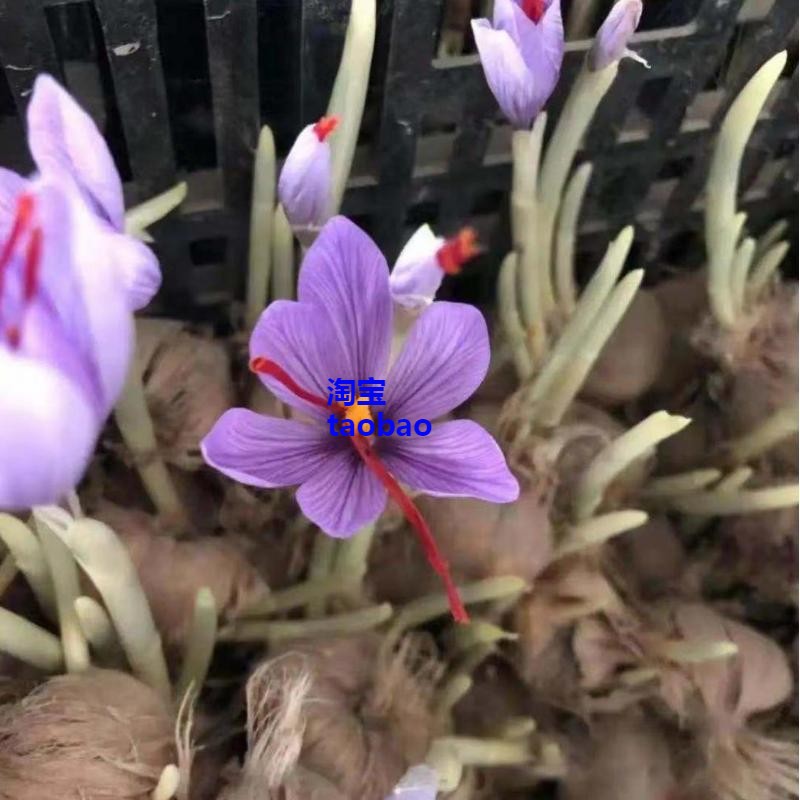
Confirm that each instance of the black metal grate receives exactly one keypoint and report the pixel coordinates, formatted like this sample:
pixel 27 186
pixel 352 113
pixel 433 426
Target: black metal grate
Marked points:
pixel 180 88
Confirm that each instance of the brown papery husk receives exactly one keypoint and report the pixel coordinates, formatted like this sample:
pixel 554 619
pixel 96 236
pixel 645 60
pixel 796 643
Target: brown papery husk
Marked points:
pixel 368 719
pixel 627 758
pixel 633 357
pixel 760 551
pixel 188 385
pixel 101 735
pixel 173 571
pixel 478 539
pixel 758 360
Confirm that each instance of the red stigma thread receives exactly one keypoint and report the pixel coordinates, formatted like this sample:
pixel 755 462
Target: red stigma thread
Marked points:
pixel 458 250
pixel 533 9
pixel 33 260
pixel 325 127
pixel 264 366
pixel 22 220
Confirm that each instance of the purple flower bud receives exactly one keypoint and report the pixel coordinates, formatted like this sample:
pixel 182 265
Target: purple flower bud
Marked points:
pixel 419 783
pixel 611 42
pixel 521 52
pixel 304 186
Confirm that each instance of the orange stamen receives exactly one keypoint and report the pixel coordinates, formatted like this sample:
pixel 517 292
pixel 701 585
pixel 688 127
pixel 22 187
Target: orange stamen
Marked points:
pixel 457 251
pixel 325 127
pixel 264 366
pixel 533 9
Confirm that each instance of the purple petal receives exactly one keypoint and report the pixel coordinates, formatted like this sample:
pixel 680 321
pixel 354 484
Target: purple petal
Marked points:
pixel 47 436
pixel 301 340
pixel 542 48
pixel 417 276
pixel 343 495
pixel 512 84
pixel 266 451
pixel 139 267
pixel 612 39
pixel 457 459
pixel 346 277
pixel 442 363
pixel 304 186
pixel 419 783
pixel 63 139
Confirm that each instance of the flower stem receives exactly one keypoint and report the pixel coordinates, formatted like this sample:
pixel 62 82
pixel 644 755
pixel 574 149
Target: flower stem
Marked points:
pixel 282 256
pixel 262 212
pixel 596 530
pixel 508 306
pixel 30 643
pixel 465 637
pixel 275 631
pixel 766 266
pixel 742 261
pixel 295 596
pixel 66 585
pixel 696 652
pixel 721 504
pixel 723 184
pixel 566 234
pixel 322 557
pixel 616 456
pixel 8 571
pixel 555 404
pixel 771 237
pixel 592 300
pixel 136 426
pixel 350 565
pixel 681 483
pixel 773 430
pixel 199 647
pixel 516 728
pixel 99 631
pixel 29 558
pixel 349 93
pixel 453 690
pixel 107 562
pixel 692 524
pixel 139 218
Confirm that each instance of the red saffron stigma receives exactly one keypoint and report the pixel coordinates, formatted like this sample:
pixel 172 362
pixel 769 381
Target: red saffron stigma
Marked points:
pixel 533 9
pixel 33 259
pixel 13 336
pixel 458 250
pixel 264 366
pixel 325 127
pixel 417 521
pixel 22 218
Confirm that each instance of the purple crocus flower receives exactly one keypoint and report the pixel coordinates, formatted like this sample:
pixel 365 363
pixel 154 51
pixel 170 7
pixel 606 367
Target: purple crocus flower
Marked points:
pixel 304 186
pixel 66 334
pixel 423 263
pixel 419 783
pixel 611 42
pixel 341 328
pixel 67 146
pixel 521 51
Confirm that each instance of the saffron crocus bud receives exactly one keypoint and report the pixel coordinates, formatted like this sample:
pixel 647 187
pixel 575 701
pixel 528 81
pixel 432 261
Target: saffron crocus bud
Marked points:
pixel 67 146
pixel 420 783
pixel 611 42
pixel 304 186
pixel 424 261
pixel 521 51
pixel 66 335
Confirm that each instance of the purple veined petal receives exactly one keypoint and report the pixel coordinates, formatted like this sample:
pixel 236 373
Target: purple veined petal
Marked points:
pixel 346 277
pixel 304 186
pixel 47 436
pixel 511 82
pixel 542 49
pixel 301 340
pixel 141 272
pixel 417 276
pixel 611 42
pixel 419 783
pixel 11 185
pixel 343 495
pixel 90 296
pixel 457 459
pixel 63 138
pixel 443 361
pixel 265 451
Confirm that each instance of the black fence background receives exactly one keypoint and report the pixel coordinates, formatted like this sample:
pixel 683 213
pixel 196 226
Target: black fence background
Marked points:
pixel 181 87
